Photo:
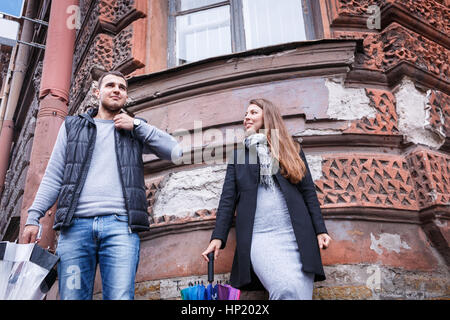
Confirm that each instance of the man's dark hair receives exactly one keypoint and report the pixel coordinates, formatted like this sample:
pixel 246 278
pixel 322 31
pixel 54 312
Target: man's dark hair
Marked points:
pixel 113 72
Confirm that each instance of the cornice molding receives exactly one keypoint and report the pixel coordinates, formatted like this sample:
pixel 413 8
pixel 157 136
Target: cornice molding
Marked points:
pixel 285 61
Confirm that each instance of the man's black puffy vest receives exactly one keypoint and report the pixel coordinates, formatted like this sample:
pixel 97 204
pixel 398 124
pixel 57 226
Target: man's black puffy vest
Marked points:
pixel 81 133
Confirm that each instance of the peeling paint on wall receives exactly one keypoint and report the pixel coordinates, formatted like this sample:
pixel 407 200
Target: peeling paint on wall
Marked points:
pixel 315 165
pixel 191 190
pixel 318 132
pixel 347 103
pixel 412 117
pixel 388 241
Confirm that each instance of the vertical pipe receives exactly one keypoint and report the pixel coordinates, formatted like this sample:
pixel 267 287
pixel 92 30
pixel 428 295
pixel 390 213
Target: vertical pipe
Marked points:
pixel 16 73
pixel 6 126
pixel 54 95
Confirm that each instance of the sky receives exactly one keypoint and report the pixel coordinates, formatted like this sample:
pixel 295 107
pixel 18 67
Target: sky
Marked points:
pixel 8 28
pixel 11 7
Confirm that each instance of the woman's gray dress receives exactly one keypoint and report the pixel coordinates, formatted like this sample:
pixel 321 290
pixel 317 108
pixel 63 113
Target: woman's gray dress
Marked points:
pixel 274 252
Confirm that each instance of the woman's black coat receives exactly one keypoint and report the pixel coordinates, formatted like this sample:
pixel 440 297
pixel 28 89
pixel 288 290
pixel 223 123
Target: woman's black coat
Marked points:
pixel 239 194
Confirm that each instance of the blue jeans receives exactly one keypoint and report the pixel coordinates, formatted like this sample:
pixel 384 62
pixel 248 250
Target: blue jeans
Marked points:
pixel 104 240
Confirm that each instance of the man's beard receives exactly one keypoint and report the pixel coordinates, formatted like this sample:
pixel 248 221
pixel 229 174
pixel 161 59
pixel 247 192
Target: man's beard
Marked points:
pixel 112 108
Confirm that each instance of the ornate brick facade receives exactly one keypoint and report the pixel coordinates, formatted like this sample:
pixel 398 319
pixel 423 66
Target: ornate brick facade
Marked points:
pixel 398 187
pixel 366 180
pixel 105 42
pixel 380 159
pixel 386 119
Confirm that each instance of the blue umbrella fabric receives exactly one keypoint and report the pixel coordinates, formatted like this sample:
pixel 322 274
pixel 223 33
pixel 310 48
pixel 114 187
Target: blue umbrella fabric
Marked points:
pixel 194 292
pixel 211 292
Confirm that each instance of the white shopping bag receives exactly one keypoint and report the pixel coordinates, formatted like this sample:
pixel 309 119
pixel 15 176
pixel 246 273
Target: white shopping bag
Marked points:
pixel 26 271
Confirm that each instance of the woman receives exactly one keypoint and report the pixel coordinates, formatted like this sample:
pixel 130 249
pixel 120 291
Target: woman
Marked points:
pixel 279 225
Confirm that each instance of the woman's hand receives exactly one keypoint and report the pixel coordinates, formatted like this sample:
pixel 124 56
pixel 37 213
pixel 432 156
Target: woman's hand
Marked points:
pixel 324 240
pixel 214 245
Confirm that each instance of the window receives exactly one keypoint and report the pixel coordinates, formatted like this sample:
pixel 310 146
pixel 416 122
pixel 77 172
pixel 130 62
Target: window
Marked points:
pixel 203 34
pixel 270 22
pixel 199 29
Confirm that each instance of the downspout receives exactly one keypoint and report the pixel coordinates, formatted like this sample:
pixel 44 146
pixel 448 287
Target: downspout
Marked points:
pixel 18 67
pixel 6 85
pixel 6 127
pixel 53 108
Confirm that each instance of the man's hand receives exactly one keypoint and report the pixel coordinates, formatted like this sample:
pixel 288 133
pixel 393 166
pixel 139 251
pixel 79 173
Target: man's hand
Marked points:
pixel 30 233
pixel 123 121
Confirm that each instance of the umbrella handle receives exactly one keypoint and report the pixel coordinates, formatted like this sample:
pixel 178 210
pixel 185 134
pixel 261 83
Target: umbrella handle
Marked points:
pixel 211 267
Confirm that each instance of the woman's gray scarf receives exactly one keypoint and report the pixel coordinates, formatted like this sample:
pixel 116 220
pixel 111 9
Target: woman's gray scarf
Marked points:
pixel 267 163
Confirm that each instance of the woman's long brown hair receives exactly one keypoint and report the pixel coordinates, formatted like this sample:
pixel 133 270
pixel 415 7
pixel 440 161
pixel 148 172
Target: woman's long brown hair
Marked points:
pixel 281 144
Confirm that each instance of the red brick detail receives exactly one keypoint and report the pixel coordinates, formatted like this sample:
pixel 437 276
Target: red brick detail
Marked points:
pixel 100 55
pixel 430 172
pixel 396 44
pixel 367 181
pixel 114 10
pixel 434 12
pixel 151 188
pixel 438 110
pixel 386 119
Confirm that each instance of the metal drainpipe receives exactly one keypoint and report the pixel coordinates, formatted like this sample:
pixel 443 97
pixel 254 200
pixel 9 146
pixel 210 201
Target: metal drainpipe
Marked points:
pixel 53 107
pixel 6 86
pixel 18 67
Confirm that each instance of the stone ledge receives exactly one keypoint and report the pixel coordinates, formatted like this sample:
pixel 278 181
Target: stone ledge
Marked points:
pixel 272 63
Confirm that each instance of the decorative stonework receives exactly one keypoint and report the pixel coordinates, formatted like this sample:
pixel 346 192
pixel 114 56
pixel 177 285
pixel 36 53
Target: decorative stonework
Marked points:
pixel 400 44
pixel 396 44
pixel 386 119
pixel 100 56
pixel 86 35
pixel 107 53
pixel 433 12
pixel 104 42
pixel 356 7
pixel 419 181
pixel 392 182
pixel 90 100
pixel 151 188
pixel 367 181
pixel 114 10
pixel 411 40
pixel 438 113
pixel 102 11
pixel 122 45
pixel 84 8
pixel 431 175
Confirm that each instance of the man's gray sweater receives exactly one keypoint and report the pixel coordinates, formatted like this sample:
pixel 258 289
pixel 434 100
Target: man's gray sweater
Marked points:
pixel 102 192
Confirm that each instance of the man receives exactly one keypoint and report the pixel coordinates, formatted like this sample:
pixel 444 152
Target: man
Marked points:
pixel 96 173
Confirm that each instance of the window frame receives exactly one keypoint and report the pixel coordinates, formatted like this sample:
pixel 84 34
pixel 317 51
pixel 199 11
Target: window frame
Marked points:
pixel 311 17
